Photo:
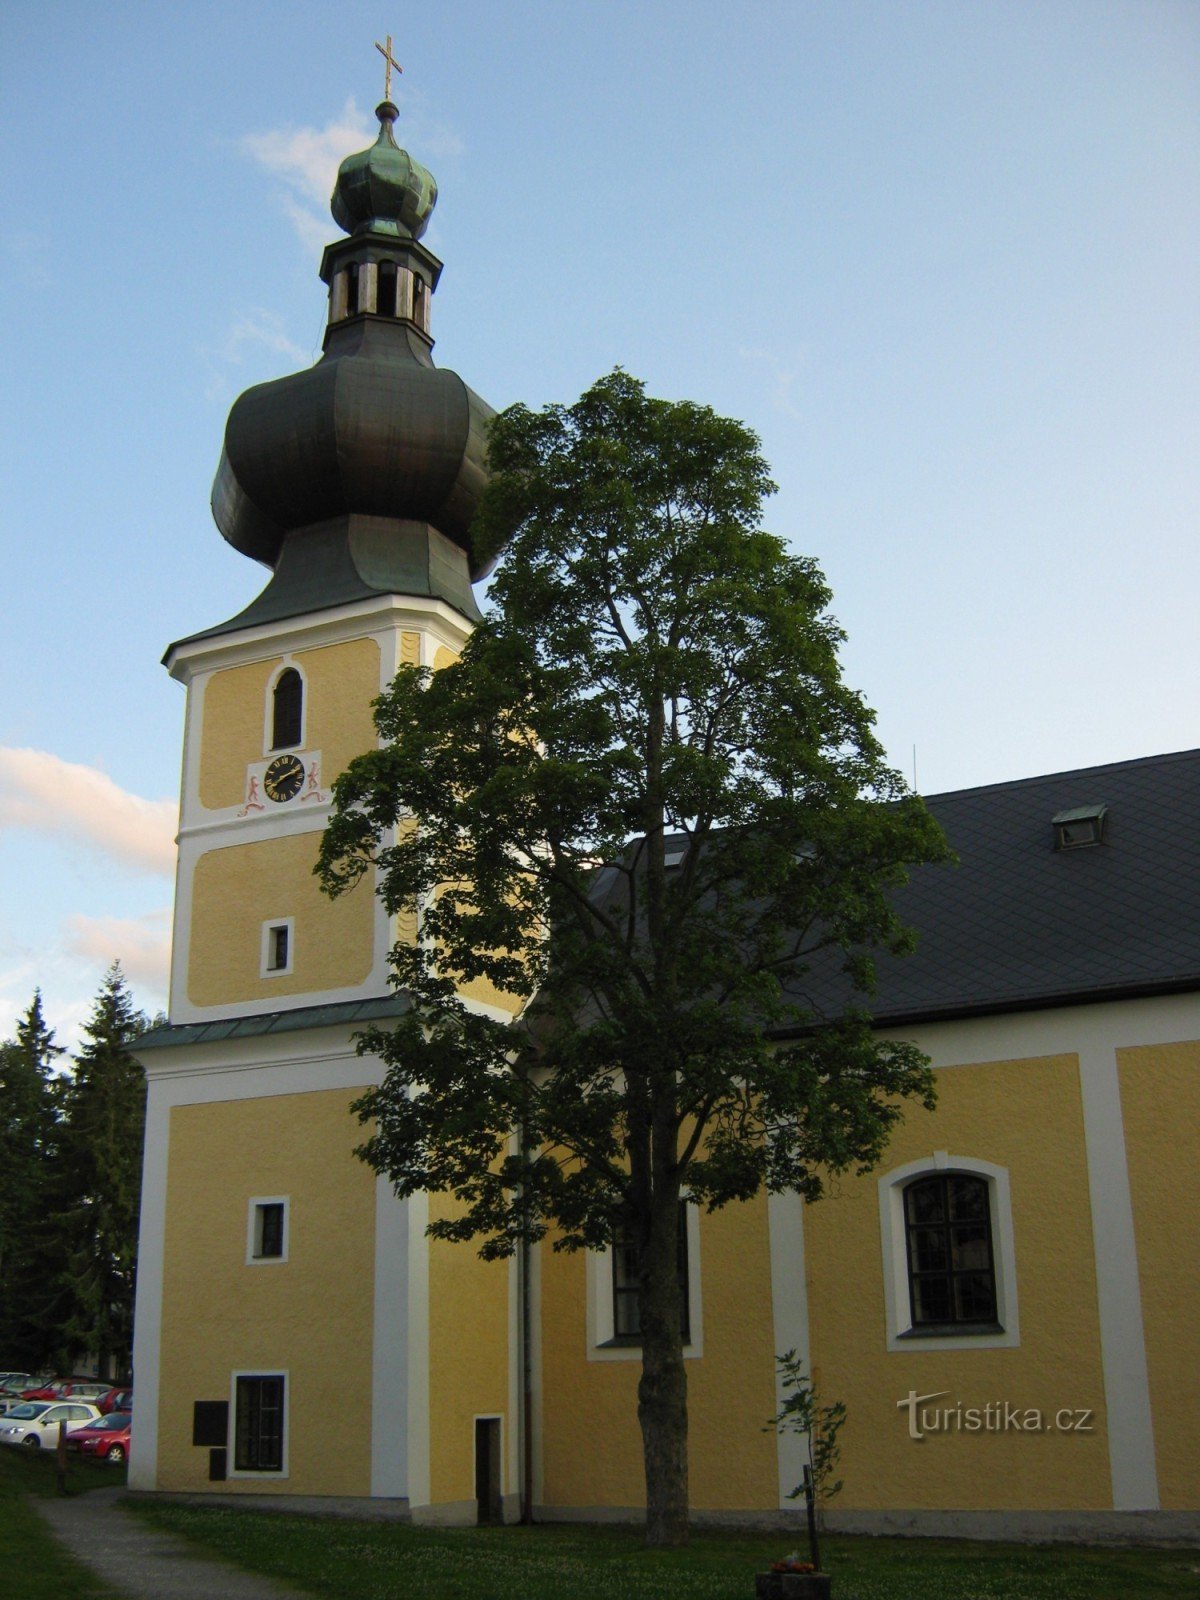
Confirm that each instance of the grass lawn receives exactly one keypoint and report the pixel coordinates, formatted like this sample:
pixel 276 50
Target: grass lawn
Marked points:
pixel 374 1561
pixel 32 1565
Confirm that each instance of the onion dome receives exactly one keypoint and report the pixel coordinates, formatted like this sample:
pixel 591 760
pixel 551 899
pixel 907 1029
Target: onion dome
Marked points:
pixel 361 475
pixel 383 190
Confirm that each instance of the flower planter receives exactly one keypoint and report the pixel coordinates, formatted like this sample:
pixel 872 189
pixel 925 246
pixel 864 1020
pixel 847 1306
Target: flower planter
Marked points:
pixel 792 1586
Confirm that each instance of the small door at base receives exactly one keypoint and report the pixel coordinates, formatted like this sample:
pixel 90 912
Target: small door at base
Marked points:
pixel 487 1469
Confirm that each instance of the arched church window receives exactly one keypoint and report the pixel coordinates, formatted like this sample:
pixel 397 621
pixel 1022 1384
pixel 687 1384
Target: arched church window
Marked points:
pixel 419 301
pixel 352 289
pixel 385 296
pixel 951 1273
pixel 287 710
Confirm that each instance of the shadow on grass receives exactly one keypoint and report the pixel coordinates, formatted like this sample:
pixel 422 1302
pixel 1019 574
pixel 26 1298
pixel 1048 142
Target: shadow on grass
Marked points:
pixel 377 1561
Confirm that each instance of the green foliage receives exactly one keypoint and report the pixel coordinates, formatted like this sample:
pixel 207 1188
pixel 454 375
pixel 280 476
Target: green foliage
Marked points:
pixel 98 1183
pixel 819 1425
pixel 644 795
pixel 385 1560
pixel 27 1137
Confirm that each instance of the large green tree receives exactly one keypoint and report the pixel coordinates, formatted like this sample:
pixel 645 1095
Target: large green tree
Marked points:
pixel 27 1136
pixel 640 803
pixel 98 1183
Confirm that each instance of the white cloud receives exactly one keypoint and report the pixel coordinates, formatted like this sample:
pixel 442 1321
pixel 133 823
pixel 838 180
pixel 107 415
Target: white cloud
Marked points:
pixel 307 159
pixel 41 792
pixel 141 944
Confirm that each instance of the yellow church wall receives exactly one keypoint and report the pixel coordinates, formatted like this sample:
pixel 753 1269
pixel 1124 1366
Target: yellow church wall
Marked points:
pixel 1160 1103
pixel 235 889
pixel 592 1445
pixel 468 1359
pixel 309 1316
pixel 340 680
pixel 442 657
pixel 1025 1116
pixel 231 732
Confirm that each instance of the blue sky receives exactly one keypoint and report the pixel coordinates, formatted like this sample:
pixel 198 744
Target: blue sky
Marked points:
pixel 943 257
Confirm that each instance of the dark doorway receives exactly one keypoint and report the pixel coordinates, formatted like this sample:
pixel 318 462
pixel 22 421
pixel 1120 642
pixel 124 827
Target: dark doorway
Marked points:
pixel 487 1469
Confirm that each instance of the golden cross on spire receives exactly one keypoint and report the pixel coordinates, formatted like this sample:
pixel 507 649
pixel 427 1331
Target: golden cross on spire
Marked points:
pixel 386 52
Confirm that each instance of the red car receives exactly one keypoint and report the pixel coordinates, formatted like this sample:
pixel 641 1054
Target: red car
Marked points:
pixel 115 1400
pixel 105 1440
pixel 69 1389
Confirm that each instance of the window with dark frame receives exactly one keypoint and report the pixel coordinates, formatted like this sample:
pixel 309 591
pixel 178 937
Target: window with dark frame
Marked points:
pixel 951 1264
pixel 627 1321
pixel 258 1424
pixel 287 710
pixel 277 948
pixel 268 1231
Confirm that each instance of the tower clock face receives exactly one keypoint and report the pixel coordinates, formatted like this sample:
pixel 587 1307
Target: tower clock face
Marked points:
pixel 283 778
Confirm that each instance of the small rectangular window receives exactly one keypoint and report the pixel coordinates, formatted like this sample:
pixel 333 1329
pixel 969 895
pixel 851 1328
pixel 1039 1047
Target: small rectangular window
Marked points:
pixel 267 1229
pixel 278 947
pixel 258 1423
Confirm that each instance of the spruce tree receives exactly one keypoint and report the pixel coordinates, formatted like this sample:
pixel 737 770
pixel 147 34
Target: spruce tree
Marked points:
pixel 27 1134
pixel 99 1182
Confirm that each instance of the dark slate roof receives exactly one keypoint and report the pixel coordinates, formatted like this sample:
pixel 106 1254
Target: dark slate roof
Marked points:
pixel 342 1014
pixel 1018 924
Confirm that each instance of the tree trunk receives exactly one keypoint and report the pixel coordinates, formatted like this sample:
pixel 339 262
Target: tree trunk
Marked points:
pixel 662 1392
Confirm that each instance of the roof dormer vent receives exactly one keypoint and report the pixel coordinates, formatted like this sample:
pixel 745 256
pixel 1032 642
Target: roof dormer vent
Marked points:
pixel 1080 827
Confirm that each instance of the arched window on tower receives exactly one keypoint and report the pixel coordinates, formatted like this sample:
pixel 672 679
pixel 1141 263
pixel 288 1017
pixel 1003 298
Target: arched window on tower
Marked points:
pixel 352 289
pixel 287 710
pixel 385 298
pixel 419 311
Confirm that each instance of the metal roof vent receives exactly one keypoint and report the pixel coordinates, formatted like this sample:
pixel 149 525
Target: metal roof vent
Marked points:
pixel 1076 829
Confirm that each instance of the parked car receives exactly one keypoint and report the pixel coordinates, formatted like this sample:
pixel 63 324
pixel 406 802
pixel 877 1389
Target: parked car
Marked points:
pixel 17 1380
pixel 35 1422
pixel 107 1439
pixel 69 1389
pixel 9 1398
pixel 115 1400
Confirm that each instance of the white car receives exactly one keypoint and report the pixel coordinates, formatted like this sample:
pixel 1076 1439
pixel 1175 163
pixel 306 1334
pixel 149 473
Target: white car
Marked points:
pixel 36 1421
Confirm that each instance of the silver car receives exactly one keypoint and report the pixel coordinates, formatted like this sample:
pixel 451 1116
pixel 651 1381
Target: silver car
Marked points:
pixel 36 1422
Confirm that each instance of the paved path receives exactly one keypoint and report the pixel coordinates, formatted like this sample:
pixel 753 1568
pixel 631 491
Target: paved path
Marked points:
pixel 143 1563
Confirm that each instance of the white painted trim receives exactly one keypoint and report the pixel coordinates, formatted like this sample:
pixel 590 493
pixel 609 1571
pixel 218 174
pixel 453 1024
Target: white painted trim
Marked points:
pixel 270 750
pixel 1131 1455
pixel 258 1372
pixel 600 1318
pixel 894 1244
pixel 537 1396
pixel 147 1320
pixel 789 1313
pixel 412 613
pixel 389 1346
pixel 418 1352
pixel 254 1257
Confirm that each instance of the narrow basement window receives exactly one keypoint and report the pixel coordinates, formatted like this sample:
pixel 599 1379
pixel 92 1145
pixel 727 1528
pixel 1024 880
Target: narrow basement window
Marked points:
pixel 1080 827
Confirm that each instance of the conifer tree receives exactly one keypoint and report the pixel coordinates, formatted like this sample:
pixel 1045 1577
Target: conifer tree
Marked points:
pixel 99 1182
pixel 27 1135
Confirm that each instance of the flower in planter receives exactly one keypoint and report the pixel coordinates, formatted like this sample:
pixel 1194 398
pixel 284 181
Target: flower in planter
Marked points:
pixel 792 1563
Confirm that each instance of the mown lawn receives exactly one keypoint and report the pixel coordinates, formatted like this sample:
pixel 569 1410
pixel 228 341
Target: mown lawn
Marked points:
pixel 374 1561
pixel 32 1565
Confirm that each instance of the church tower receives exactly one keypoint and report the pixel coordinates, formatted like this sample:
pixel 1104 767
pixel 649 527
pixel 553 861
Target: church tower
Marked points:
pixel 296 1332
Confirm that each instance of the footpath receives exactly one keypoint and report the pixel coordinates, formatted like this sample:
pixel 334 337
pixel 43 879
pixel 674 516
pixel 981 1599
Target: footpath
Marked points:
pixel 144 1564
